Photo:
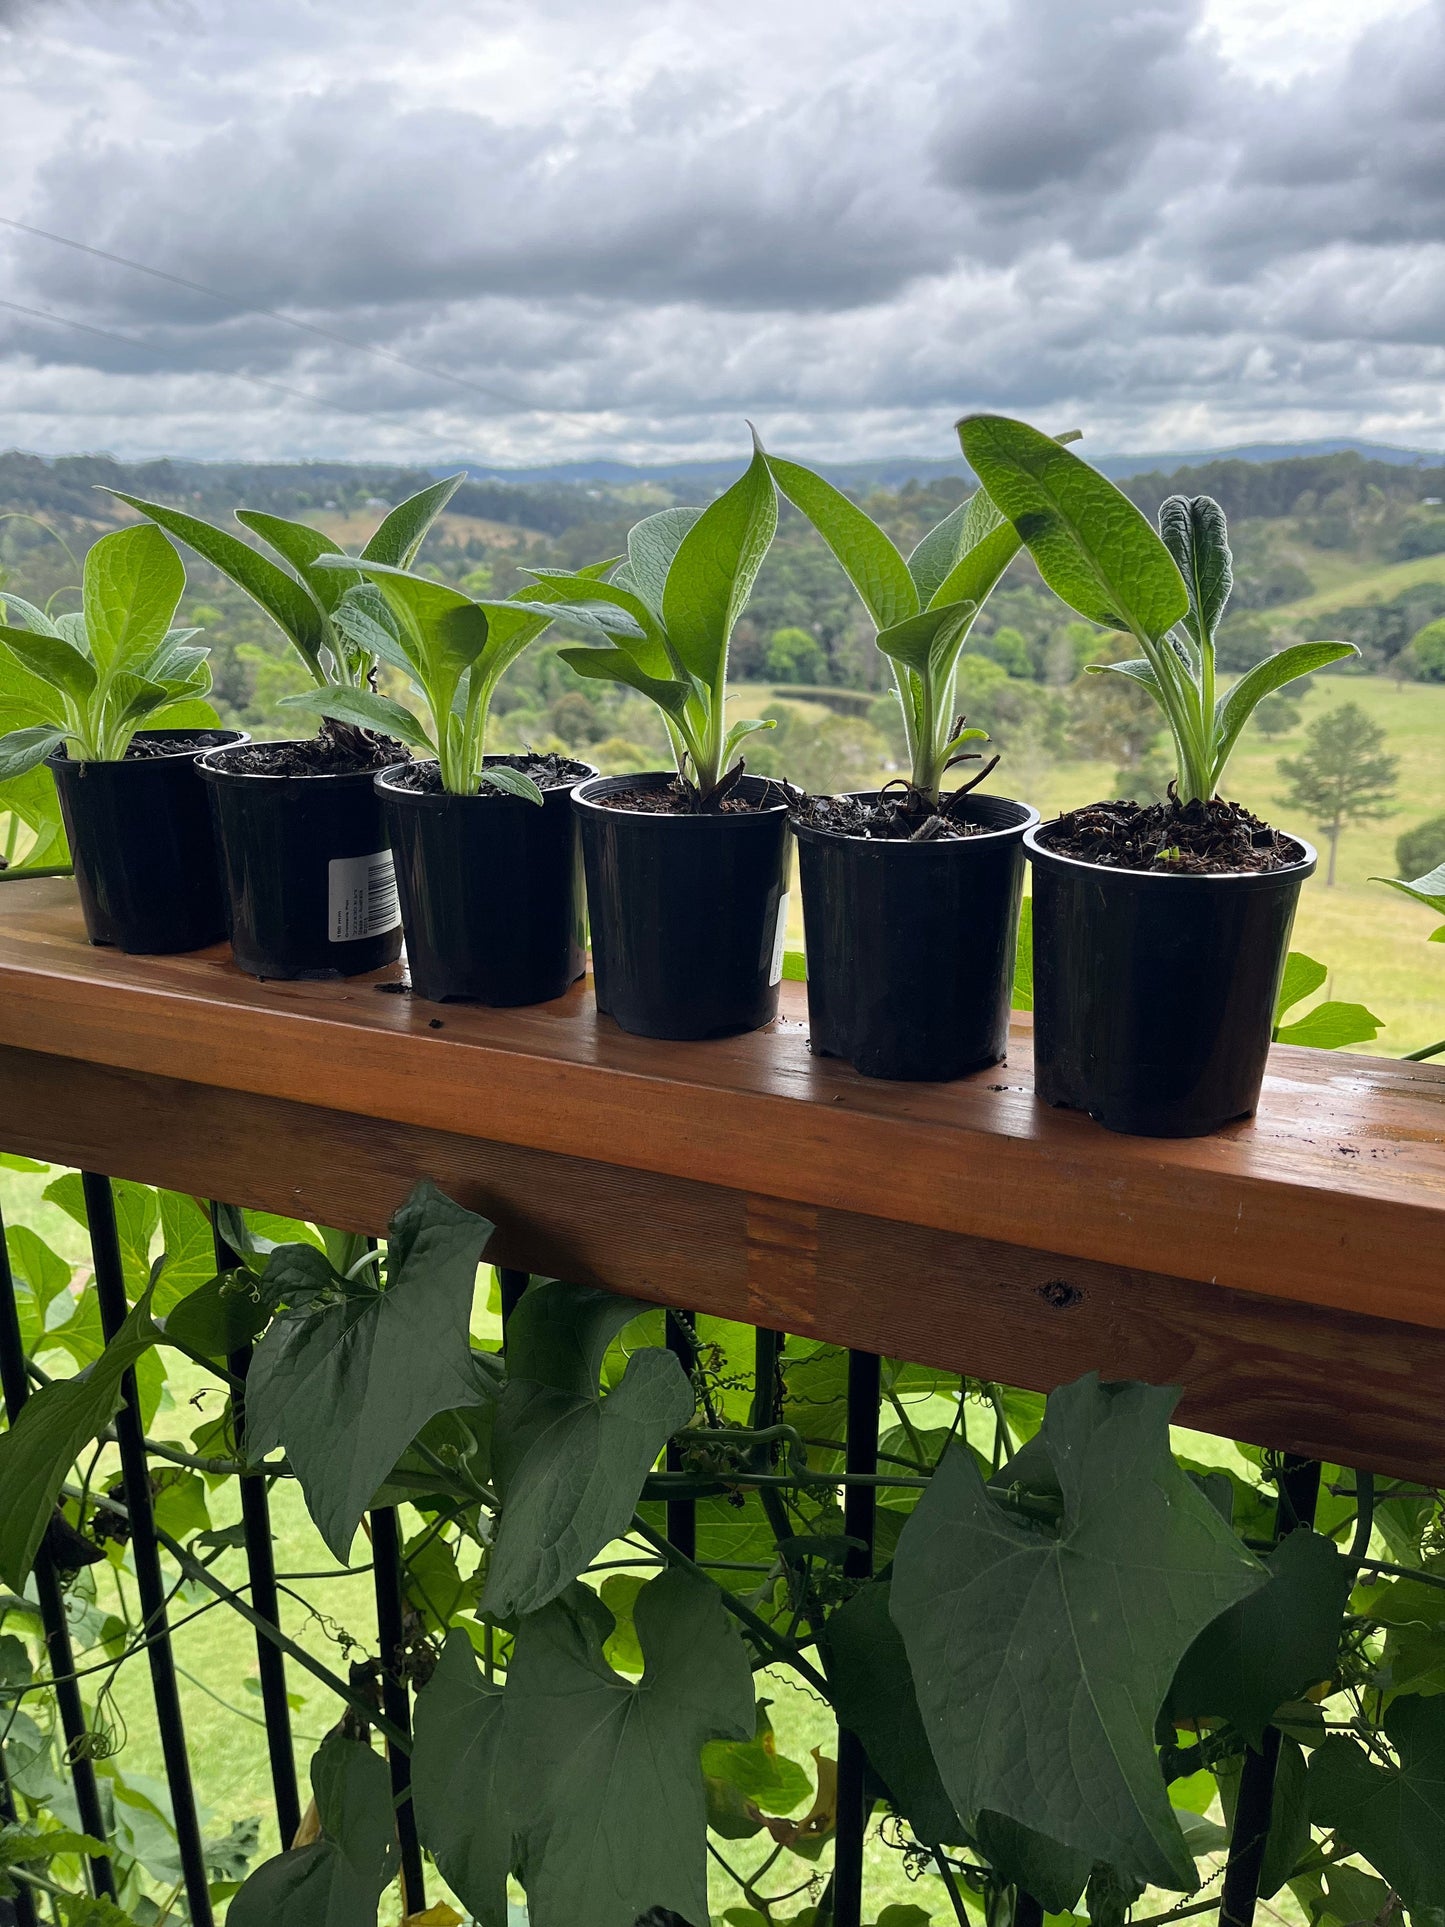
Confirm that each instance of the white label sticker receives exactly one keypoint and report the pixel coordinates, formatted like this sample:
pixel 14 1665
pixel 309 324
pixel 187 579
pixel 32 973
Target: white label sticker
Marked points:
pixel 361 896
pixel 780 938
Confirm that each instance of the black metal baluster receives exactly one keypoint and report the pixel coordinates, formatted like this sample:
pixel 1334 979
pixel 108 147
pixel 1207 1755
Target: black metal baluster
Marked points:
pixel 135 1476
pixel 1299 1488
pixel 261 1569
pixel 21 1909
pixel 860 1507
pixel 511 1285
pixel 58 1653
pixel 395 1698
pixel 681 1513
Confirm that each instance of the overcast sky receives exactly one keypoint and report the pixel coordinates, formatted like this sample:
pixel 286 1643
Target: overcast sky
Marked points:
pixel 622 227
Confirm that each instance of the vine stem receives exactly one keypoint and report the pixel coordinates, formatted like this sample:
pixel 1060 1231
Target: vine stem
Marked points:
pixel 783 1649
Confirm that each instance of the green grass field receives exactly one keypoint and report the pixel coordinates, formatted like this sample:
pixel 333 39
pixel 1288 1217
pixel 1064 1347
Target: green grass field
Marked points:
pixel 1350 584
pixel 1373 940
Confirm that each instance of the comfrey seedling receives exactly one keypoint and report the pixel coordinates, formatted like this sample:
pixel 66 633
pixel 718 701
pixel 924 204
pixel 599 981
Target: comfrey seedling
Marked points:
pixel 1100 556
pixel 305 604
pixel 453 648
pixel 668 614
pixel 92 679
pixel 922 609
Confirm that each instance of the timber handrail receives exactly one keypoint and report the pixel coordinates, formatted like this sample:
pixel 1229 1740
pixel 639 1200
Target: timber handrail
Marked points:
pixel 748 1177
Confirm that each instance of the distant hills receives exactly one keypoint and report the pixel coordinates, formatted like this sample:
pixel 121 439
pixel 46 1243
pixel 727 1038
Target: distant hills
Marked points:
pixel 894 471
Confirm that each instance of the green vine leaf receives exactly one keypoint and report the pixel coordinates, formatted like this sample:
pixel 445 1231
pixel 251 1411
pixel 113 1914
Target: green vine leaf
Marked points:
pixel 569 1463
pixel 874 1695
pixel 457 1782
pixel 1042 1657
pixel 339 1879
pixel 55 1425
pixel 1272 1646
pixel 587 1783
pixel 347 1381
pixel 605 1772
pixel 1394 1816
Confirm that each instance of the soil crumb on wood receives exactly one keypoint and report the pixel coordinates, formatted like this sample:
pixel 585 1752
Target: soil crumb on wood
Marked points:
pixel 1216 838
pixel 892 816
pixel 337 749
pixel 549 772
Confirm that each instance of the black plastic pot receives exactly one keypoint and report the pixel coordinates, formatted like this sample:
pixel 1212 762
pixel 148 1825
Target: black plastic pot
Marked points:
pixel 1154 994
pixel 491 891
pixel 307 869
pixel 687 912
pixel 911 945
pixel 142 845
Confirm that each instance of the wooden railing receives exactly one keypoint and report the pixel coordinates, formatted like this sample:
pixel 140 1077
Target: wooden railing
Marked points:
pixel 1264 1269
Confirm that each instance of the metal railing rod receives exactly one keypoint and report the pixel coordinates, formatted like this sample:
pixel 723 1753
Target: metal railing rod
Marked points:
pixel 395 1697
pixel 681 1513
pixel 58 1653
pixel 261 1570
pixel 1299 1488
pixel 135 1477
pixel 511 1285
pixel 860 1513
pixel 22 1906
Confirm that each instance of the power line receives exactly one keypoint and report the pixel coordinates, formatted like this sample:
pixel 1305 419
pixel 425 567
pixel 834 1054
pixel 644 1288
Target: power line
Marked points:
pixel 287 320
pixel 260 381
pixel 150 348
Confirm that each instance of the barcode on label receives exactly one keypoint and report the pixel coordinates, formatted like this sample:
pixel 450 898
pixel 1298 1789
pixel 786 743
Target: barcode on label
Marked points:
pixel 361 896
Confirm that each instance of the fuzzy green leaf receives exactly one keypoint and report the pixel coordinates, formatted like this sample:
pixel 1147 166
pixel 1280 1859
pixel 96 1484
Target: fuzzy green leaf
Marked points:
pixel 1234 709
pixel 299 545
pixel 402 530
pixel 53 660
pixel 713 571
pixel 615 665
pixel 1428 890
pixel 1042 1657
pixel 367 710
pixel 1193 530
pixel 870 561
pixel 1092 546
pixel 339 1879
pixel 54 1427
pixel 512 782
pixel 345 1387
pixel 570 1463
pixel 132 582
pixel 26 749
pixel 651 545
pixel 1393 1816
pixel 929 643
pixel 289 605
pixel 459 1783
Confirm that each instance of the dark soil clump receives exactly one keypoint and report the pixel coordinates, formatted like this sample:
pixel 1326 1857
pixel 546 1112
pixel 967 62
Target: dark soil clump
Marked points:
pixel 143 751
pixel 337 749
pixel 681 799
pixel 1188 839
pixel 549 772
pixel 893 816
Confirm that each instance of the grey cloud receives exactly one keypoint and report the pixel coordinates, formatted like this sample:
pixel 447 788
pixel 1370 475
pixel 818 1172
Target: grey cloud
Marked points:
pixel 854 228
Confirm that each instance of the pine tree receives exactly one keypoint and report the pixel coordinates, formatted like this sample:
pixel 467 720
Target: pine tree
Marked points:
pixel 1342 776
